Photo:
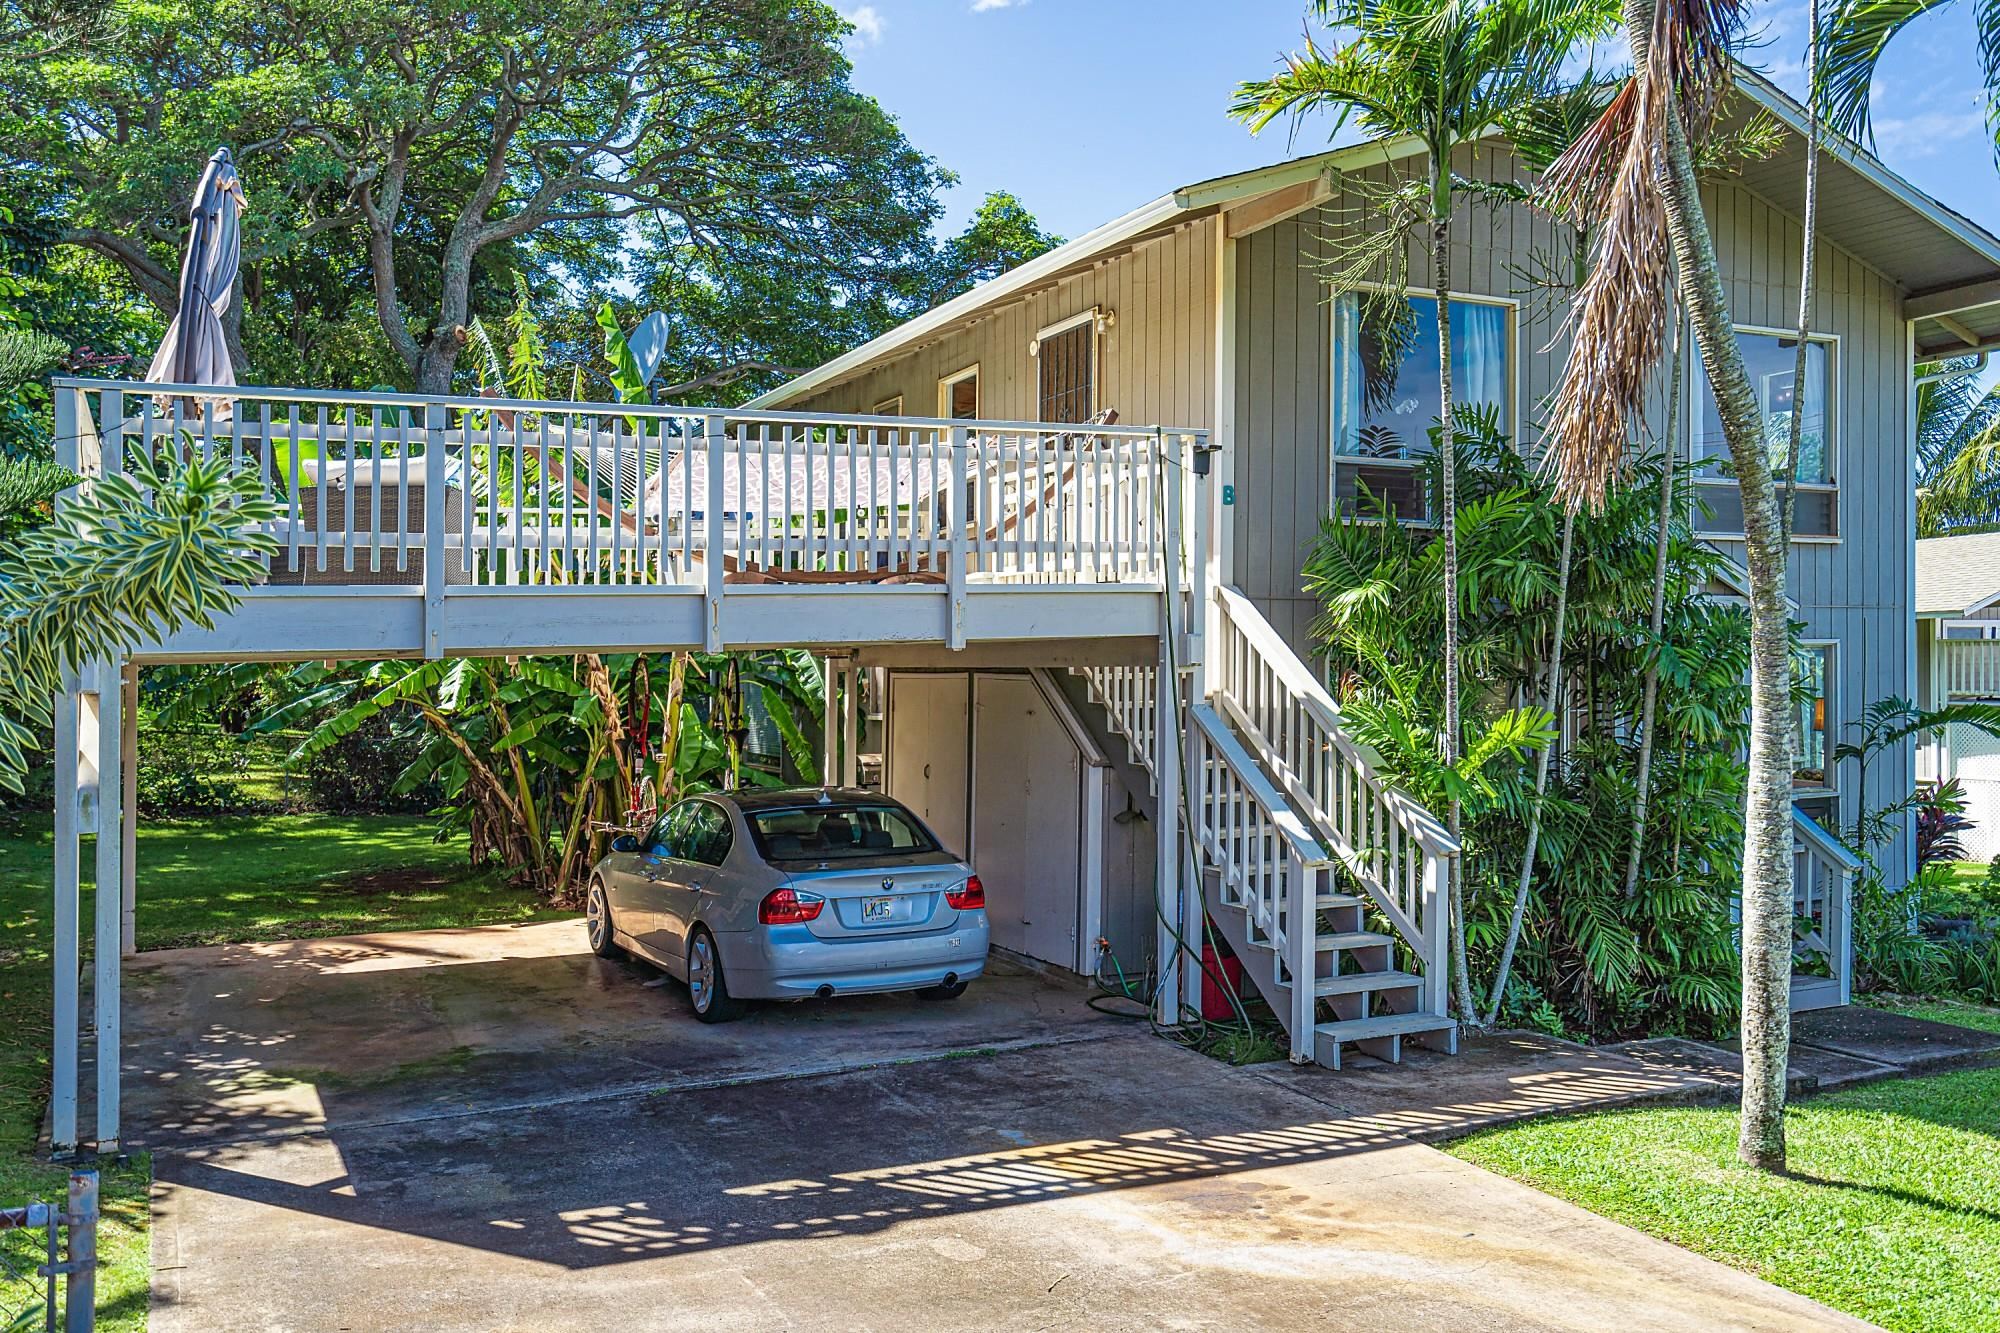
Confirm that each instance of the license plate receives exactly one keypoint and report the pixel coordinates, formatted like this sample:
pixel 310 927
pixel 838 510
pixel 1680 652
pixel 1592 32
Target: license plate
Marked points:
pixel 878 909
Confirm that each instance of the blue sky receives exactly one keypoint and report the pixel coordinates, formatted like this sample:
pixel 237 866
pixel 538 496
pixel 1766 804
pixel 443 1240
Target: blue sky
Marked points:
pixel 1088 108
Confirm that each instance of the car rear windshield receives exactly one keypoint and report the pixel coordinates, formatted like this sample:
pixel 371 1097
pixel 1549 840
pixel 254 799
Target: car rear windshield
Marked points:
pixel 834 832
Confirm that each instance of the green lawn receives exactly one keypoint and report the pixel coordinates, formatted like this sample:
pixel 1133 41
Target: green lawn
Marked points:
pixel 1890 1213
pixel 206 882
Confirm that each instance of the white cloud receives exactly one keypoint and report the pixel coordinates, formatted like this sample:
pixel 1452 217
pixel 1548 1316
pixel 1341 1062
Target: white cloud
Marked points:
pixel 981 6
pixel 868 25
pixel 1927 133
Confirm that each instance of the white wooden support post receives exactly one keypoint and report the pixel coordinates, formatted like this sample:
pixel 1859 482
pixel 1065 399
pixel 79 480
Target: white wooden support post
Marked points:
pixel 955 521
pixel 437 420
pixel 67 949
pixel 108 900
pixel 1302 942
pixel 850 725
pixel 1200 596
pixel 1168 729
pixel 128 789
pixel 829 769
pixel 1167 846
pixel 1842 941
pixel 1437 934
pixel 711 528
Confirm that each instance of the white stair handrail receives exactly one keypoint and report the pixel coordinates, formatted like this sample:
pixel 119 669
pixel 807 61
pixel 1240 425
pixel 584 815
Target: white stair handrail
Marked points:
pixel 1823 871
pixel 1397 850
pixel 1267 859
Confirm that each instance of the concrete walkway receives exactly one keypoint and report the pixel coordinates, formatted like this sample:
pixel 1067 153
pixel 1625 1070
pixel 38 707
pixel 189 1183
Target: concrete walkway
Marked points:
pixel 1089 1175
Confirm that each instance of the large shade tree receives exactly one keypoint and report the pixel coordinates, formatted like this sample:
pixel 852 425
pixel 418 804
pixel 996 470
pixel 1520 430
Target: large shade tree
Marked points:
pixel 1444 72
pixel 414 141
pixel 1634 176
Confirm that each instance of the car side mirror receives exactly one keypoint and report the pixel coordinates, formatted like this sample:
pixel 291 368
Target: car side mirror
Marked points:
pixel 625 842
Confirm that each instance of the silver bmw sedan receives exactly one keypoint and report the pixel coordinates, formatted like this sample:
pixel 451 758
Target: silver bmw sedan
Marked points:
pixel 781 895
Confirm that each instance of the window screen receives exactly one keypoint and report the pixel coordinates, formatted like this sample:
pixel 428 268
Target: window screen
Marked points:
pixel 1067 364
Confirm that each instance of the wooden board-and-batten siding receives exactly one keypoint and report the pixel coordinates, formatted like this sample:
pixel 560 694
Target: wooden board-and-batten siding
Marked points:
pixel 1155 363
pixel 1855 590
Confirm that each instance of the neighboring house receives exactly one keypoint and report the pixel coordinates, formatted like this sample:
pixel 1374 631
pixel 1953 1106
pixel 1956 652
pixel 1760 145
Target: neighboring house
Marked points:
pixel 1208 307
pixel 1957 614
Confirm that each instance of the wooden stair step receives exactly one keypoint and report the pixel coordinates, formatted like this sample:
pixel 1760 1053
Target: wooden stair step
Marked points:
pixel 1327 901
pixel 1352 939
pixel 1385 1025
pixel 1354 983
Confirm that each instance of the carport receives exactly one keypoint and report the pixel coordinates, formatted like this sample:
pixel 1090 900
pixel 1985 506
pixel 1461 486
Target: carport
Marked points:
pixel 238 1042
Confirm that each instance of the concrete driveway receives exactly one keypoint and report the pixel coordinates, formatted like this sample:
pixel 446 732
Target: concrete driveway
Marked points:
pixel 1011 1161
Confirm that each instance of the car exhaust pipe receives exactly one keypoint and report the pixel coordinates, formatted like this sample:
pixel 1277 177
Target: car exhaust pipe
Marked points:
pixel 824 992
pixel 950 979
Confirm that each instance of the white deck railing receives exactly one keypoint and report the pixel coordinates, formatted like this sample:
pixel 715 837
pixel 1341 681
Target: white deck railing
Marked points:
pixel 1823 873
pixel 1969 668
pixel 1393 847
pixel 384 487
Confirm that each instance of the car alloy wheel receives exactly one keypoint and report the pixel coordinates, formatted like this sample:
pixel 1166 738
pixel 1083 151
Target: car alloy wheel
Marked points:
pixel 701 974
pixel 597 925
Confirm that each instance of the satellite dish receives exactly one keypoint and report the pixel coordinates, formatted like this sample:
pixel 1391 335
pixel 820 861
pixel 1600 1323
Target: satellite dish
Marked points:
pixel 649 344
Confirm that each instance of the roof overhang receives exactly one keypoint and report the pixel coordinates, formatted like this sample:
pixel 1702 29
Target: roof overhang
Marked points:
pixel 1947 265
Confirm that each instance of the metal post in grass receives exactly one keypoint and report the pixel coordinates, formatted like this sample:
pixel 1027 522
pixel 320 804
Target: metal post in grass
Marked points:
pixel 80 1269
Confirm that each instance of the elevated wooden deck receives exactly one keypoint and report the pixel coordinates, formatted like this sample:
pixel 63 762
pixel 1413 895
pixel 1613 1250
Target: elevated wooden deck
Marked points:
pixel 419 526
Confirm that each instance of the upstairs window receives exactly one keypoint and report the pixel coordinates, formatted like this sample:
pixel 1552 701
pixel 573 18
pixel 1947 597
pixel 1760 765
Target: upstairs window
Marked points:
pixel 958 395
pixel 1385 393
pixel 1066 370
pixel 1772 362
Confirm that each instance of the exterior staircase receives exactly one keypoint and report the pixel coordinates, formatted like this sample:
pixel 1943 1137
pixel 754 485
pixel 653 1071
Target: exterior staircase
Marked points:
pixel 1327 883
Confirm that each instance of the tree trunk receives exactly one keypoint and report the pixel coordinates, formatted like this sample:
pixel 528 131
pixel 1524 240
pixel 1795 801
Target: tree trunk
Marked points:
pixel 1767 829
pixel 1644 784
pixel 1552 695
pixel 1811 230
pixel 1448 521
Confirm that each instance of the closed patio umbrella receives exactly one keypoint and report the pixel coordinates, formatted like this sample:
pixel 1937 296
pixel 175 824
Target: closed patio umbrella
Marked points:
pixel 195 350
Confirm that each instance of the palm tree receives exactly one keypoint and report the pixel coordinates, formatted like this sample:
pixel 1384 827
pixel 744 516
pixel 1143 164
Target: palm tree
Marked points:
pixel 1635 174
pixel 1444 72
pixel 1958 449
pixel 1861 31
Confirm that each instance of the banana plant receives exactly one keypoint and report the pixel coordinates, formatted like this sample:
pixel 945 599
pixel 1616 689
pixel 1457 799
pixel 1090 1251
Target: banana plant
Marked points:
pixel 539 758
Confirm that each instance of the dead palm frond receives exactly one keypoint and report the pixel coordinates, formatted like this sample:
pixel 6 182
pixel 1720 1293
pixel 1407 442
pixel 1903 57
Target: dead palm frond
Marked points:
pixel 1610 179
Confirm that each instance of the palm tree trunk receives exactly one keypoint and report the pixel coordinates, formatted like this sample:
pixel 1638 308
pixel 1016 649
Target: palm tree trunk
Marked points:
pixel 1448 520
pixel 1551 696
pixel 1811 229
pixel 1647 708
pixel 1767 831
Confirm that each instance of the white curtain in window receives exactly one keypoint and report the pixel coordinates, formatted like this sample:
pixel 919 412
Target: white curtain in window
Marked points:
pixel 1479 355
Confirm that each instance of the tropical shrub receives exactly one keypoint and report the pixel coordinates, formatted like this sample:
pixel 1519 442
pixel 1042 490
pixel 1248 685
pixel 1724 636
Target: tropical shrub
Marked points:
pixel 361 772
pixel 1941 820
pixel 194 772
pixel 1594 960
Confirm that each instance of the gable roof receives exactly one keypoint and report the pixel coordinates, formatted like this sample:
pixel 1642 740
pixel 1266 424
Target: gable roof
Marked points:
pixel 1948 264
pixel 1957 576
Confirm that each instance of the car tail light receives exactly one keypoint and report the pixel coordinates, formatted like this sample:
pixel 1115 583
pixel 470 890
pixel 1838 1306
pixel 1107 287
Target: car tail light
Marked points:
pixel 969 896
pixel 787 907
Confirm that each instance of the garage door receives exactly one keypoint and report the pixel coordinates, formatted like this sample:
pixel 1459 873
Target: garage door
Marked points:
pixel 1026 794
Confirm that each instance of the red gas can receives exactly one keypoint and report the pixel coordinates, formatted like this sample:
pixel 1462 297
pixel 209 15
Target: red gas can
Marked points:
pixel 1215 1002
